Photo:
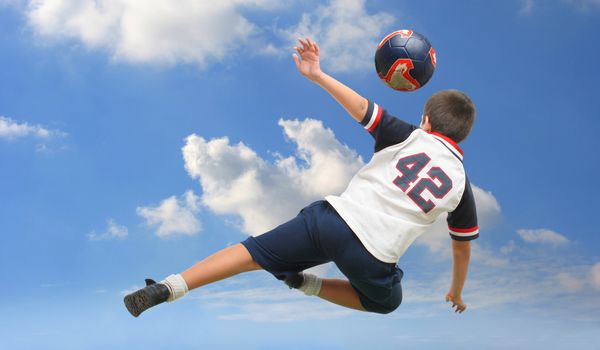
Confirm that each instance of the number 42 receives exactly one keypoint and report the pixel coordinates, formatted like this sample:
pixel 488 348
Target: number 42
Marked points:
pixel 410 168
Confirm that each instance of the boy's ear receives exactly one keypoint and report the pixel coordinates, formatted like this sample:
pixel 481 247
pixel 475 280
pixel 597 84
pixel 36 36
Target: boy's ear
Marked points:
pixel 425 124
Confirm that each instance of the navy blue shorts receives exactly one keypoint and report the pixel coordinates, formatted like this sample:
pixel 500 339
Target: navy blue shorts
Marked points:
pixel 319 235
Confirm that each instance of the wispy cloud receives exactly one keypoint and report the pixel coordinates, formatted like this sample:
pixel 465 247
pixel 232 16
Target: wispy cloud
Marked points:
pixel 542 236
pixel 272 303
pixel 130 290
pixel 524 277
pixel 584 5
pixel 595 275
pixel 287 312
pixel 529 280
pixel 55 285
pixel 12 2
pixel 174 216
pixel 11 129
pixel 526 7
pixel 570 282
pixel 336 24
pixel 113 231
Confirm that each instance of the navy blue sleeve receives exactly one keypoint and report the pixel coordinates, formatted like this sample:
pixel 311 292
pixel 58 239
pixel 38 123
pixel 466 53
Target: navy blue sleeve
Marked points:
pixel 385 128
pixel 462 222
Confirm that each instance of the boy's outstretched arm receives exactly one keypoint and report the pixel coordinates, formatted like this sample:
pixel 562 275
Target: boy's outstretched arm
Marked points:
pixel 461 253
pixel 309 65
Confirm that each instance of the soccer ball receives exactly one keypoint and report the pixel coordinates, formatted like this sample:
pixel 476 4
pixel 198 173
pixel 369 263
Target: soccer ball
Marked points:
pixel 405 60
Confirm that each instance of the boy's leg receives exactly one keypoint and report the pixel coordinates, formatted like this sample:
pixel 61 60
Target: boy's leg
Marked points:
pixel 340 292
pixel 222 264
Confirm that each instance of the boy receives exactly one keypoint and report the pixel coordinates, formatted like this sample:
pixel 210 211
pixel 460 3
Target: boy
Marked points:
pixel 415 175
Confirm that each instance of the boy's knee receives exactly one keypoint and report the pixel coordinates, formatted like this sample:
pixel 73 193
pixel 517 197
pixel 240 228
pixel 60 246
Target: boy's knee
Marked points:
pixel 253 265
pixel 248 260
pixel 385 308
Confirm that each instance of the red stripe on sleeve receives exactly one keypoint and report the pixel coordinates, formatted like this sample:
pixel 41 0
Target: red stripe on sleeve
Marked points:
pixel 463 230
pixel 377 118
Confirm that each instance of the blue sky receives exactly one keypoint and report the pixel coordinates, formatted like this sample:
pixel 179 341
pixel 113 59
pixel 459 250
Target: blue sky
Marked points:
pixel 137 138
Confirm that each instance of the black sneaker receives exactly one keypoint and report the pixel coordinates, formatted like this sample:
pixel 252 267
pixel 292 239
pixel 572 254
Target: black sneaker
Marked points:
pixel 147 297
pixel 294 280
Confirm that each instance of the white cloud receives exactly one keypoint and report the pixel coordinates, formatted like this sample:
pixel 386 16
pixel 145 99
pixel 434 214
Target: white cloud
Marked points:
pixel 235 180
pixel 11 129
pixel 159 31
pixel 542 236
pixel 595 275
pixel 174 216
pixel 113 231
pixel 346 33
pixel 488 209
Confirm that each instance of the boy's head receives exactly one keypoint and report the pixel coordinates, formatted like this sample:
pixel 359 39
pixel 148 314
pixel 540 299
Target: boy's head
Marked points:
pixel 450 113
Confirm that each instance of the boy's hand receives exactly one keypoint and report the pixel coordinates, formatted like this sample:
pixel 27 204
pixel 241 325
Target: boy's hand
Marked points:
pixel 308 63
pixel 456 302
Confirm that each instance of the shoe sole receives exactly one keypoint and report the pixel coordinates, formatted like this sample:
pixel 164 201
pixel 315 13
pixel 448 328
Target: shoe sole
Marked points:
pixel 137 302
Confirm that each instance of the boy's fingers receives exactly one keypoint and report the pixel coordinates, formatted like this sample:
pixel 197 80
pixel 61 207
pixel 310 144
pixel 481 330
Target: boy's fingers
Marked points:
pixel 311 44
pixel 317 50
pixel 456 306
pixel 296 60
pixel 304 44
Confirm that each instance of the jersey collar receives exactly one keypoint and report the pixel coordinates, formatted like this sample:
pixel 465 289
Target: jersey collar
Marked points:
pixel 448 141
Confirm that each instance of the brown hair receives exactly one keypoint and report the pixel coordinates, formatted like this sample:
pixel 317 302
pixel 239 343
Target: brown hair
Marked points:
pixel 451 113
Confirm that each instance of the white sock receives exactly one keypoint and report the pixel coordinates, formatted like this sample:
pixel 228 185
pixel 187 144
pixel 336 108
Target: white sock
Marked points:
pixel 311 285
pixel 176 285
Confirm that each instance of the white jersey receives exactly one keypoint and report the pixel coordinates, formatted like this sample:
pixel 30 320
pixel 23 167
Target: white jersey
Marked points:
pixel 413 177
